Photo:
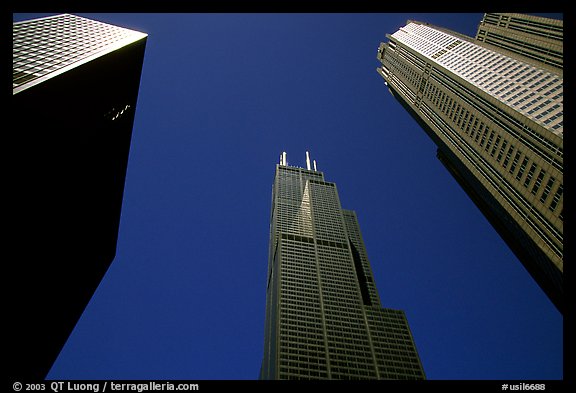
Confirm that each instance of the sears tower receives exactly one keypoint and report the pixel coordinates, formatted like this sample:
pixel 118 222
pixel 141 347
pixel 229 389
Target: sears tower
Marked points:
pixel 323 314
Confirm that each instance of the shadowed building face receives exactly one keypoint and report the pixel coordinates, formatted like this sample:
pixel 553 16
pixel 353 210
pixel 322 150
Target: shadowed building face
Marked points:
pixel 75 89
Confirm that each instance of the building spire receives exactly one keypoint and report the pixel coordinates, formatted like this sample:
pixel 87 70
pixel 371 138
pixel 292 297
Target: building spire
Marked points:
pixel 310 164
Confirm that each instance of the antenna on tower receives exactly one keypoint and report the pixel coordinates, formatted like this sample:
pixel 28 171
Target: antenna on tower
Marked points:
pixel 307 160
pixel 315 166
pixel 283 158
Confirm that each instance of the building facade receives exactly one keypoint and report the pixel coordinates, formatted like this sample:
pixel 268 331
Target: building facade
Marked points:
pixel 323 314
pixel 497 120
pixel 534 39
pixel 75 88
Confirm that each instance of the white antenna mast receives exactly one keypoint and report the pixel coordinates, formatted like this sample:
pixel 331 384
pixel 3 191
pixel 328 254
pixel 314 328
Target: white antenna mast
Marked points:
pixel 315 166
pixel 307 160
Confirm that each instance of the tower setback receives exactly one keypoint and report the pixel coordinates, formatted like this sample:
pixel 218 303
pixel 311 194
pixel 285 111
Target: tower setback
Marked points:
pixel 323 314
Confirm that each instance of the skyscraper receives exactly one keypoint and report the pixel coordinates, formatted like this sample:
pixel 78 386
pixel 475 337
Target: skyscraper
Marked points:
pixel 534 39
pixel 75 87
pixel 494 108
pixel 323 314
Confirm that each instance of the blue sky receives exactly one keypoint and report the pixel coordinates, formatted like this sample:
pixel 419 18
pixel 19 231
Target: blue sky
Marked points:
pixel 221 96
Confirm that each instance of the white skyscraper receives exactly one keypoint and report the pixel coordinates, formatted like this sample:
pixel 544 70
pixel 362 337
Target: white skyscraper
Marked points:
pixel 530 90
pixel 496 116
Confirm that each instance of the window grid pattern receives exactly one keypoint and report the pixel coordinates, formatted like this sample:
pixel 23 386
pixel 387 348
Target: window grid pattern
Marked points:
pixel 534 25
pixel 536 93
pixel 466 118
pixel 292 208
pixel 355 237
pixel 327 213
pixel 503 152
pixel 534 37
pixel 511 166
pixel 44 45
pixel 302 347
pixel 466 115
pixel 322 328
pixel 394 345
pixel 346 331
pixel 523 156
pixel 512 186
pixel 398 65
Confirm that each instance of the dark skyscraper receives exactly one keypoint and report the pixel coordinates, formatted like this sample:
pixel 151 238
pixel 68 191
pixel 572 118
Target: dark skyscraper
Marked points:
pixel 494 107
pixel 323 314
pixel 75 88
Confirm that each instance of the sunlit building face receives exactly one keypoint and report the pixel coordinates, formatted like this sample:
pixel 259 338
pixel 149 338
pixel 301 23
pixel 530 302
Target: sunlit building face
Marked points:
pixel 46 47
pixel 495 110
